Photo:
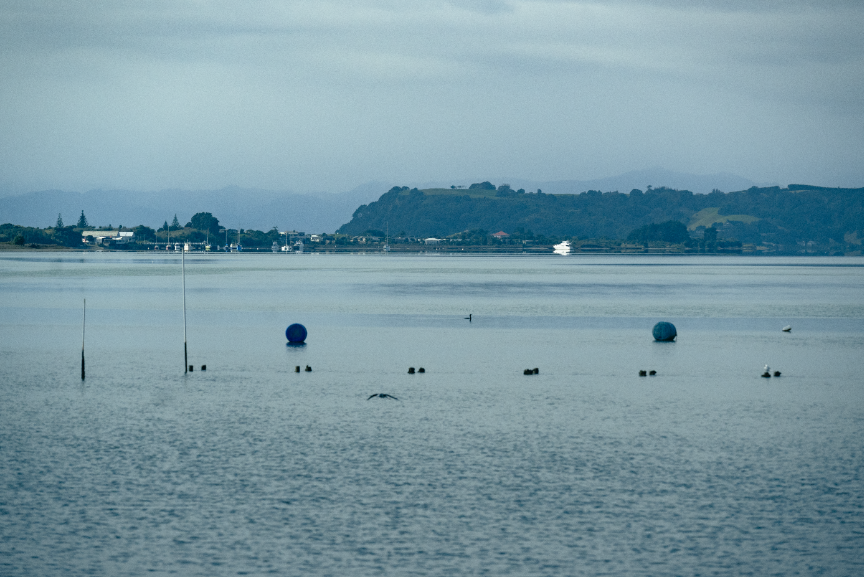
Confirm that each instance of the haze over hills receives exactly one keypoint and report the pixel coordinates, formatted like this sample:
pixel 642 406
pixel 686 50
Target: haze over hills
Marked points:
pixel 322 212
pixel 235 207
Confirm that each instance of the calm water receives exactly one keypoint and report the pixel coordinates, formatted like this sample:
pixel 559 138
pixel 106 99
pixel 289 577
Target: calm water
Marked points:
pixel 476 469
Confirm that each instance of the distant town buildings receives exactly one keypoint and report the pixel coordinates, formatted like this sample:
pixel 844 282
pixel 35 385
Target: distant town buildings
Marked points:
pixel 107 237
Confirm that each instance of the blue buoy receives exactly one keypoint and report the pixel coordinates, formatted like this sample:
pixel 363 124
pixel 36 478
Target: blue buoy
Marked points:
pixel 296 333
pixel 664 332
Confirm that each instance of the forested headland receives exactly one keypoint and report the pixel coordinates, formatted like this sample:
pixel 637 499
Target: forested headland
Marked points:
pixel 796 219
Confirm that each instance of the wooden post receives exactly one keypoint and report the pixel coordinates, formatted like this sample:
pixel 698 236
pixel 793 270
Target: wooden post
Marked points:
pixel 83 325
pixel 185 354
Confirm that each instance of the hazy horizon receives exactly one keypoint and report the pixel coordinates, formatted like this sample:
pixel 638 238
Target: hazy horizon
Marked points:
pixel 323 97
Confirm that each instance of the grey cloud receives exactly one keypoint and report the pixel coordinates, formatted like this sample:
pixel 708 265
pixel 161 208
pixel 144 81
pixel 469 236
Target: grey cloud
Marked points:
pixel 329 94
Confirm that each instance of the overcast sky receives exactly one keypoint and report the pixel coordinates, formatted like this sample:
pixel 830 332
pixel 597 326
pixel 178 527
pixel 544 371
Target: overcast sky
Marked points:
pixel 324 96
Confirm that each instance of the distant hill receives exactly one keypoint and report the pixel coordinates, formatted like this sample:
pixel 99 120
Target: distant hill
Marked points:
pixel 233 206
pixel 790 216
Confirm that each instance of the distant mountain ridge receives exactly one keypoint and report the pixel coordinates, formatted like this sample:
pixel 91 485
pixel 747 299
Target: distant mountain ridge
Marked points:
pixel 261 209
pixel 233 206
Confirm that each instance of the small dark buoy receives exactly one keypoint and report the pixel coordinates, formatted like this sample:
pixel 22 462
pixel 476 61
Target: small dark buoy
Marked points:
pixel 308 368
pixel 643 373
pixel 203 367
pixel 382 396
pixel 296 333
pixel 411 370
pixel 776 373
pixel 296 368
pixel 766 374
pixel 652 373
pixel 421 370
pixel 191 367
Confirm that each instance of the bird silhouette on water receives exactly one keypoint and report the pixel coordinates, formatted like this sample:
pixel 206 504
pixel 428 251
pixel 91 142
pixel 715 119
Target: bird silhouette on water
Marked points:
pixel 469 317
pixel 382 396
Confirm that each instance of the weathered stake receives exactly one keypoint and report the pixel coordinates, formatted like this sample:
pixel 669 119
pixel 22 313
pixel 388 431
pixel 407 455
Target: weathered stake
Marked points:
pixel 185 354
pixel 83 325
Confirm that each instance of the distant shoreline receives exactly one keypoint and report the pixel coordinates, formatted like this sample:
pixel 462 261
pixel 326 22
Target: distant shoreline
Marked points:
pixel 416 250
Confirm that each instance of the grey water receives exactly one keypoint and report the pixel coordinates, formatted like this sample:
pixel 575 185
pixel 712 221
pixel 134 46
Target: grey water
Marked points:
pixel 476 469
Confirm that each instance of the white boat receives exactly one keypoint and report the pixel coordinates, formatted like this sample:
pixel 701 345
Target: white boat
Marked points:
pixel 562 248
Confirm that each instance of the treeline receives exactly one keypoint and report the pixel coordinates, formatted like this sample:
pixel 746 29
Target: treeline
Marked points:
pixel 782 217
pixel 203 227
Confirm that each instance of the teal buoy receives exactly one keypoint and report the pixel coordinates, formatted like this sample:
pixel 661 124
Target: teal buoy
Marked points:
pixel 664 332
pixel 296 334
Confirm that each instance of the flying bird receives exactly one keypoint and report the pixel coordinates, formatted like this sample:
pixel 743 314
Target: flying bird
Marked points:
pixel 382 396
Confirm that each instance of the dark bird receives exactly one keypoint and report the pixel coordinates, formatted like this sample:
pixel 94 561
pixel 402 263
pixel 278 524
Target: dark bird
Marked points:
pixel 382 396
pixel 469 317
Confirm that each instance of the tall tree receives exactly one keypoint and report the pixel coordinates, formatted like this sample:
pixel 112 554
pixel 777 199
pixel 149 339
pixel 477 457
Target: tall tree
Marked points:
pixel 59 221
pixel 205 222
pixel 175 224
pixel 82 221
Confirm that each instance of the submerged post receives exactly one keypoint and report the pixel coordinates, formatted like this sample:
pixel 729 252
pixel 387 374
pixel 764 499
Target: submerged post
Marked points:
pixel 83 325
pixel 185 355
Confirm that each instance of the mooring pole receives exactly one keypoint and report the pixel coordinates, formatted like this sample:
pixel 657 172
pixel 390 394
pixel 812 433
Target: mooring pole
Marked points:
pixel 185 355
pixel 83 325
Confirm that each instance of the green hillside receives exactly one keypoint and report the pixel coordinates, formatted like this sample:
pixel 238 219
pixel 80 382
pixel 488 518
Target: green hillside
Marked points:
pixel 789 218
pixel 711 215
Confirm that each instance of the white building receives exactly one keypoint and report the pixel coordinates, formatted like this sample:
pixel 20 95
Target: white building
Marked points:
pixel 101 237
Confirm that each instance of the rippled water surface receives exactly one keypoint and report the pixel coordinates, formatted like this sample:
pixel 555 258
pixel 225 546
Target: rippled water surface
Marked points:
pixel 476 469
